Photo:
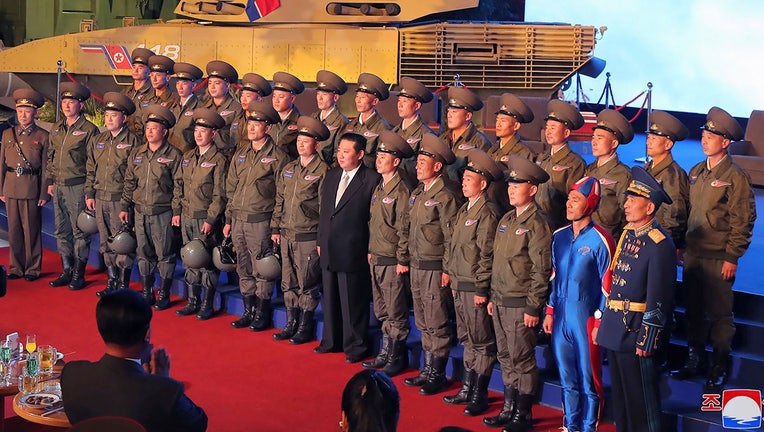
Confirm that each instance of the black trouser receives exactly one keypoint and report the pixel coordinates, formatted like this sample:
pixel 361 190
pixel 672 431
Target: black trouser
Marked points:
pixel 636 399
pixel 346 311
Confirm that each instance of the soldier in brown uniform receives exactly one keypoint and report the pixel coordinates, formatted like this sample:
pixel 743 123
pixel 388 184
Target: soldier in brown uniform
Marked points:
pixel 462 135
pixel 253 88
pixel 152 191
pixel 23 187
pixel 251 193
pixel 433 209
pixel 612 130
pixel 108 154
pixel 371 90
pixel 220 76
pixel 294 226
pixel 512 113
pixel 411 97
pixel 521 270
pixel 182 134
pixel 203 175
pixel 664 131
pixel 67 156
pixel 160 69
pixel 286 87
pixel 140 89
pixel 389 254
pixel 470 264
pixel 330 87
pixel 719 229
pixel 563 165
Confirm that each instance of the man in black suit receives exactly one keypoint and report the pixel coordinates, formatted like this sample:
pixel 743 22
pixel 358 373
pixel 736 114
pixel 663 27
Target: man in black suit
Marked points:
pixel 343 240
pixel 130 380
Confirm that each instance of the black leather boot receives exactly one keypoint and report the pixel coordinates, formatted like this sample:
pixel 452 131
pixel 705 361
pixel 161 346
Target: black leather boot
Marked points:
pixel 397 359
pixel 693 365
pixel 717 375
pixel 123 281
pixel 306 331
pixel 522 419
pixel 478 403
pixel 437 381
pixel 464 393
pixel 290 329
pixel 148 289
pixel 507 410
pixel 66 273
pixel 249 312
pixel 78 276
pixel 208 301
pixel 381 359
pixel 193 304
pixel 420 379
pixel 263 316
pixel 112 281
pixel 163 299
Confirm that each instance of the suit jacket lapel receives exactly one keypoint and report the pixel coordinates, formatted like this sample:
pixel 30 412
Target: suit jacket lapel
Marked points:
pixel 355 184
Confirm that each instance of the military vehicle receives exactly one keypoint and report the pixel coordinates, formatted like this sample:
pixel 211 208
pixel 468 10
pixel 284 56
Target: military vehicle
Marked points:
pixel 302 37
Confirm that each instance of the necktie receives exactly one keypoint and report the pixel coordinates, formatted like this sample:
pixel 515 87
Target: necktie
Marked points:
pixel 343 185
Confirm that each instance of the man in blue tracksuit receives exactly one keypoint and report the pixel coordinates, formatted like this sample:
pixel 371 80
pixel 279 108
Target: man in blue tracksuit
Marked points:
pixel 581 254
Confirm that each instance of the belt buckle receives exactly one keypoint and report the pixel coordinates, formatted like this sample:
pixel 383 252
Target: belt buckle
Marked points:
pixel 626 304
pixel 19 171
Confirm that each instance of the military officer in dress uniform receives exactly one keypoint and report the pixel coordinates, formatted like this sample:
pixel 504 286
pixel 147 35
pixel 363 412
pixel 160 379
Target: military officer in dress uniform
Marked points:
pixel 140 89
pixel 294 226
pixel 152 191
pixel 23 186
pixel 67 156
pixel 160 69
pixel 638 305
pixel 411 97
pixel 182 134
pixel 220 77
pixel 286 87
pixel 433 208
pixel 108 154
pixel 389 254
pixel 719 229
pixel 563 165
pixel 203 175
pixel 611 131
pixel 462 135
pixel 329 88
pixel 251 192
pixel 253 89
pixel 512 113
pixel 521 269
pixel 469 265
pixel 371 90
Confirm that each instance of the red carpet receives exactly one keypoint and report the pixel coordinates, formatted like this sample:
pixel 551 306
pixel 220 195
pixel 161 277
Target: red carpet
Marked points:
pixel 245 381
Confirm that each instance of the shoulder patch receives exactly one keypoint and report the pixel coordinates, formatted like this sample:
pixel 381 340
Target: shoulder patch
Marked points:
pixel 331 128
pixel 292 127
pixel 559 167
pixel 78 133
pixel 719 183
pixel 656 235
pixel 607 181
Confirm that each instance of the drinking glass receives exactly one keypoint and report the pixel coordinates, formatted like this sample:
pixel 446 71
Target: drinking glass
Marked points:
pixel 47 358
pixel 31 345
pixel 29 380
pixel 5 358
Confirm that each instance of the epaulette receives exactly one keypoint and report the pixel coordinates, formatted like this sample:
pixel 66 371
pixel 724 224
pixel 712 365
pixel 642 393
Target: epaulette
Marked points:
pixel 656 235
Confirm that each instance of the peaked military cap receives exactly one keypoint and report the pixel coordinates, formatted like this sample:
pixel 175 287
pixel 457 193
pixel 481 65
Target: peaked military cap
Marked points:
pixel 115 101
pixel 646 186
pixel 479 162
pixel 391 142
pixel 722 123
pixel 256 83
pixel 208 118
pixel 187 71
pixel 141 55
pixel 435 148
pixel 413 89
pixel 287 82
pixel 615 123
pixel 373 85
pixel 222 70
pixel 564 113
pixel 72 90
pixel 460 97
pixel 26 97
pixel 314 128
pixel 328 81
pixel 513 106
pixel 262 112
pixel 160 63
pixel 158 114
pixel 666 125
pixel 522 170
